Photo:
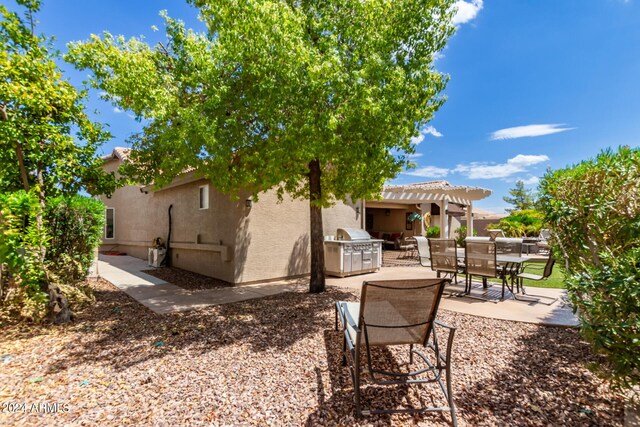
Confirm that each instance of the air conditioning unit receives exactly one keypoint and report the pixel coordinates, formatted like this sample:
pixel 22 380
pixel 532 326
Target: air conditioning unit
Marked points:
pixel 156 256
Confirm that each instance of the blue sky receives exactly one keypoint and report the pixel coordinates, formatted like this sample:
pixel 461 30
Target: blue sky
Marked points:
pixel 534 85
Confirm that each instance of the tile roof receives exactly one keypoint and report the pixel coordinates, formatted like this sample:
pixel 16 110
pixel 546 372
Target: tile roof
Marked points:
pixel 121 153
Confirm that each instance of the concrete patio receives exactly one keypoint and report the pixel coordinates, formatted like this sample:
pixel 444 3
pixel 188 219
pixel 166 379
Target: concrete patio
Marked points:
pixel 125 272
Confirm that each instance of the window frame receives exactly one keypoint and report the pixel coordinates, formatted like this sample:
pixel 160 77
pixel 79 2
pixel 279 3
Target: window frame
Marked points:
pixel 203 197
pixel 113 233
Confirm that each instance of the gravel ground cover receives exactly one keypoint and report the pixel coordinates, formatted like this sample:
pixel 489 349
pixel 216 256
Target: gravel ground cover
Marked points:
pixel 276 361
pixel 187 279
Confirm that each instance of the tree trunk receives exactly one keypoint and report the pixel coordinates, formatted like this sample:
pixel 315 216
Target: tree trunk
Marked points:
pixel 19 153
pixel 59 311
pixel 317 283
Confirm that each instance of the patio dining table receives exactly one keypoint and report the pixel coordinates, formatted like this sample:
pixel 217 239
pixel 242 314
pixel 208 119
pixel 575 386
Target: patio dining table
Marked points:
pixel 511 263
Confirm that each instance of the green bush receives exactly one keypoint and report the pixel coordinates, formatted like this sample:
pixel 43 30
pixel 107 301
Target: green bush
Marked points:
pixel 75 226
pixel 433 232
pixel 594 212
pixel 521 223
pixel 72 230
pixel 461 234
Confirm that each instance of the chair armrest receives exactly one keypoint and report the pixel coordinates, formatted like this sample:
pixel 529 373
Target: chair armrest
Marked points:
pixel 532 267
pixel 444 325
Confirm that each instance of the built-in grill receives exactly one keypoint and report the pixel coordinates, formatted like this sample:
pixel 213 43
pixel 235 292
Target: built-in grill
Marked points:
pixel 352 252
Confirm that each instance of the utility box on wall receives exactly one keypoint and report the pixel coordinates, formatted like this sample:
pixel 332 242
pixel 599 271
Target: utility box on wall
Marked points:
pixel 155 256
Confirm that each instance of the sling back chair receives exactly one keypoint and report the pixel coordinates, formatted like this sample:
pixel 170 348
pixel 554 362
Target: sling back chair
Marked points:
pixel 423 250
pixel 397 312
pixel 546 270
pixel 444 257
pixel 481 260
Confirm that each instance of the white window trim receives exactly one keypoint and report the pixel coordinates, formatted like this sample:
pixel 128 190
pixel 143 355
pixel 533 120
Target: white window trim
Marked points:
pixel 105 224
pixel 205 202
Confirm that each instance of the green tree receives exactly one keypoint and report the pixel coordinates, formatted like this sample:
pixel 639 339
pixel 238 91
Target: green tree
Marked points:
pixel 41 116
pixel 520 198
pixel 317 99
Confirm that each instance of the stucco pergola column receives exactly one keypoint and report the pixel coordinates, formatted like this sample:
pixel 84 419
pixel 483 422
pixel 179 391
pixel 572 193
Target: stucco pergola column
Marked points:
pixel 470 219
pixel 444 224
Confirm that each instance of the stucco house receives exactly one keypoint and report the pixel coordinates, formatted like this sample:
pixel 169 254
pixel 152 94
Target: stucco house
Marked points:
pixel 237 241
pixel 248 241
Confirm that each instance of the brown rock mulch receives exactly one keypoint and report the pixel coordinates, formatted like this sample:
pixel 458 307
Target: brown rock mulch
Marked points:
pixel 187 279
pixel 276 361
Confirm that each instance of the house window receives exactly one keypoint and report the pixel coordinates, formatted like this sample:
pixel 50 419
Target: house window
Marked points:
pixel 110 224
pixel 204 197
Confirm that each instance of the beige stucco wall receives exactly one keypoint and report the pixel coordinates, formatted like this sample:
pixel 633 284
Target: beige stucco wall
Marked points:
pixel 268 241
pixel 140 217
pixel 274 241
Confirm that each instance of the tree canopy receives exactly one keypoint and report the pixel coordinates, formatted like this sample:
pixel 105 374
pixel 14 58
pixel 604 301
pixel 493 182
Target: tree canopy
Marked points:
pixel 317 99
pixel 43 126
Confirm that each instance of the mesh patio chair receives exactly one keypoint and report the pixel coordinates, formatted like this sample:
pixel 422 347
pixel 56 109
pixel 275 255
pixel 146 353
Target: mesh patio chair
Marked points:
pixel 481 261
pixel 423 251
pixel 444 257
pixel 494 233
pixel 509 246
pixel 546 271
pixel 543 241
pixel 397 312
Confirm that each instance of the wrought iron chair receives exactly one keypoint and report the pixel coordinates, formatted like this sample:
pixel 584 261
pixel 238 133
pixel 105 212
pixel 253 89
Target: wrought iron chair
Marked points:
pixel 481 261
pixel 397 312
pixel 444 257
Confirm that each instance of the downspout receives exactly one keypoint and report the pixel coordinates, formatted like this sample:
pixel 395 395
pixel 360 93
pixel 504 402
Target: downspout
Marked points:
pixel 166 261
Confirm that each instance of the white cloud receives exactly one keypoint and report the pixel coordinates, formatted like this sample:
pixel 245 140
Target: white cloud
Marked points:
pixel 517 164
pixel 429 172
pixel 528 130
pixel 117 110
pixel 466 11
pixel 415 155
pixel 429 130
pixel 532 180
pixel 102 93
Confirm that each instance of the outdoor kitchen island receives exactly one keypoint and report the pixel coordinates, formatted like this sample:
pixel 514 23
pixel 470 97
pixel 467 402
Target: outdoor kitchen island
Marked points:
pixel 352 252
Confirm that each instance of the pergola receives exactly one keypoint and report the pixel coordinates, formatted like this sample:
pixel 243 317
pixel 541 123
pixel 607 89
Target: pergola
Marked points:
pixel 441 193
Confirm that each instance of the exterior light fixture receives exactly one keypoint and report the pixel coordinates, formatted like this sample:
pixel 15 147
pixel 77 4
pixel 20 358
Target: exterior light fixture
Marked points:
pixel 387 212
pixel 248 203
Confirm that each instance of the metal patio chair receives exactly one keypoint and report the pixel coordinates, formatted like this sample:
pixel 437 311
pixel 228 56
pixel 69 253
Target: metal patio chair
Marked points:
pixel 481 261
pixel 546 271
pixel 423 250
pixel 494 233
pixel 509 246
pixel 397 312
pixel 444 257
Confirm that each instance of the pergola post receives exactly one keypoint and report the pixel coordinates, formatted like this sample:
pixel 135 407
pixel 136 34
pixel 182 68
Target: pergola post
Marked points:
pixel 470 219
pixel 444 224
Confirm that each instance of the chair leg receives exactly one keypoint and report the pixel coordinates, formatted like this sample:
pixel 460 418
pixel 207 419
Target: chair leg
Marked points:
pixel 356 382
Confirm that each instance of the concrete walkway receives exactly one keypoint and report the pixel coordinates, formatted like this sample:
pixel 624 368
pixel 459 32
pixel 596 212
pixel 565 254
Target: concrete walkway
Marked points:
pixel 125 272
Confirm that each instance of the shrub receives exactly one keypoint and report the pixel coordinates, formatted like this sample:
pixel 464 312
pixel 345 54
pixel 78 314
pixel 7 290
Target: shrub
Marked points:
pixel 521 223
pixel 593 209
pixel 75 226
pixel 433 232
pixel 461 234
pixel 72 230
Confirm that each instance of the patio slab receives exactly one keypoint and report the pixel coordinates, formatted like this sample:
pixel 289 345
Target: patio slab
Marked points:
pixel 557 314
pixel 125 272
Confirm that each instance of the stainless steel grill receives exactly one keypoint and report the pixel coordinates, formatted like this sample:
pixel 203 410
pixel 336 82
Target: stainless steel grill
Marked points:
pixel 353 252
